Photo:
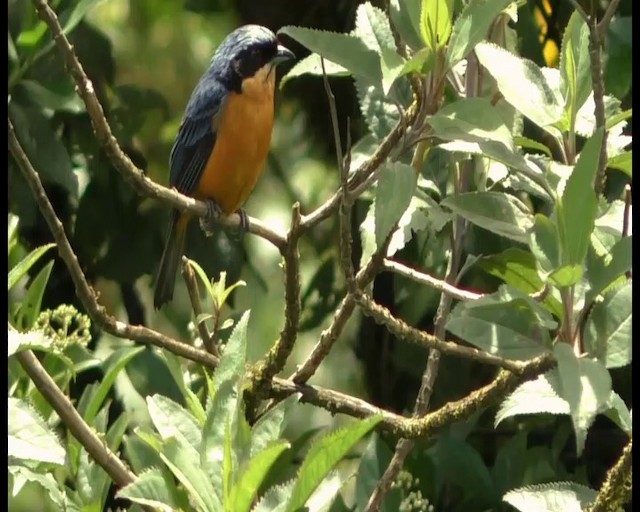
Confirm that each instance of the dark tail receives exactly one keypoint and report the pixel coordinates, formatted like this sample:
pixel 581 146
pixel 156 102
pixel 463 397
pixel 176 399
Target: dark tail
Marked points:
pixel 166 280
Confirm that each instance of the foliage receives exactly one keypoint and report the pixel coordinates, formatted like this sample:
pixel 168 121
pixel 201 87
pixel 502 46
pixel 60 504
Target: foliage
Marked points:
pixel 493 184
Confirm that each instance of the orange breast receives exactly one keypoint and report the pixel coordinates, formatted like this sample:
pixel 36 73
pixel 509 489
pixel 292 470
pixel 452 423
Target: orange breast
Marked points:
pixel 243 138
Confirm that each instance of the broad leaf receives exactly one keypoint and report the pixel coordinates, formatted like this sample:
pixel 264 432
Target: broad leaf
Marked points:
pixel 471 27
pixel 522 84
pixel 30 438
pixel 586 385
pixel 552 497
pixel 396 185
pixel 619 413
pixel 373 463
pixel 311 65
pixel 405 15
pixel 234 357
pixel 345 50
pixel 607 334
pixel 497 212
pixel 172 420
pixel 21 269
pixel 605 269
pixel 151 489
pixel 22 474
pixel 323 456
pixel 435 22
pixel 545 245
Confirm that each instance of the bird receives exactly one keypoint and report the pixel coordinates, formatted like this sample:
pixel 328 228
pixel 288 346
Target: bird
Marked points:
pixel 224 137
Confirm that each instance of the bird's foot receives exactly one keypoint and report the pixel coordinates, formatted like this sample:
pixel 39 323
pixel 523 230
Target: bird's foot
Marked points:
pixel 209 222
pixel 236 233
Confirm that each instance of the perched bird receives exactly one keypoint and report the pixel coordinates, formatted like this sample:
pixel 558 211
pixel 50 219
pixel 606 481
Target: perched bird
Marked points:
pixel 224 137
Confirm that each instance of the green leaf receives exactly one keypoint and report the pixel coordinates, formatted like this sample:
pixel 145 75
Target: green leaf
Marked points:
pixel 395 189
pixel 345 50
pixel 576 210
pixel 203 277
pixel 435 22
pixel 607 335
pixel 190 398
pixel 511 461
pixel 517 268
pixel 221 412
pixel 29 436
pixel 544 244
pixel 373 463
pixel 586 385
pixel 525 142
pixel 248 483
pixel 275 499
pixel 234 356
pixel 622 162
pixel 508 328
pixel 575 66
pixel 539 396
pixel 405 15
pixel 178 456
pixel 420 215
pixel 227 463
pixel 421 62
pixel 151 489
pixel 617 75
pixel 618 118
pixel 18 341
pixel 471 27
pixel 551 497
pixel 21 269
pixel 471 120
pixel 172 420
pixel 619 413
pixel 323 456
pixel 522 84
pixel 32 302
pixel 112 367
pixel 22 474
pixel 566 275
pixel 368 235
pixel 372 27
pixel 497 212
pixel 311 65
pixel 270 427
pixel 603 270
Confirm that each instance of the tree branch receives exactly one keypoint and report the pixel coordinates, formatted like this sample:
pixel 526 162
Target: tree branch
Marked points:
pixel 616 489
pixel 95 446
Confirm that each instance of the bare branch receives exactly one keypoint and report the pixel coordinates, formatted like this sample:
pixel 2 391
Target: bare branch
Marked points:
pixel 95 446
pixel 603 25
pixel 438 284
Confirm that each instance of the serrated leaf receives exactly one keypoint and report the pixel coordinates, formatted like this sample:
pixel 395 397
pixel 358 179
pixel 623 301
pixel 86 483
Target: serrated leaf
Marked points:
pixel 517 268
pixel 112 367
pixel 508 328
pixel 190 398
pixel 395 189
pixel 151 489
pixel 525 142
pixel 471 120
pixel 607 334
pixel 575 66
pixel 18 341
pixel 522 84
pixel 471 27
pixel 248 483
pixel 21 269
pixel 605 269
pixel 497 212
pixel 618 412
pixel 326 494
pixel 539 396
pixel 29 436
pixel 178 456
pixel 172 420
pixel 276 498
pixel 380 111
pixel 544 244
pixel 576 211
pixel 405 15
pixel 552 497
pixel 435 22
pixel 345 50
pixel 418 216
pixel 22 474
pixel 586 385
pixel 311 65
pixel 270 426
pixel 372 27
pixel 234 357
pixel 323 456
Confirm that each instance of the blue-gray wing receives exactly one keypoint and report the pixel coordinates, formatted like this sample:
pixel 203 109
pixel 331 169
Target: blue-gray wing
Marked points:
pixel 196 136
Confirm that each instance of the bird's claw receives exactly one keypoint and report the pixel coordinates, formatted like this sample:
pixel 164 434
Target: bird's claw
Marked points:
pixel 210 220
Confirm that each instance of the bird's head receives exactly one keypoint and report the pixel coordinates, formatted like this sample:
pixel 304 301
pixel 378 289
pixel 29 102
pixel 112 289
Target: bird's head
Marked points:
pixel 247 52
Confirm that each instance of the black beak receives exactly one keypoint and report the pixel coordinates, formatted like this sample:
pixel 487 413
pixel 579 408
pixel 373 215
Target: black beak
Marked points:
pixel 283 54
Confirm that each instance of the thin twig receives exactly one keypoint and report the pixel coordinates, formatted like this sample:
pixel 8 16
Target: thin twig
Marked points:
pixel 438 284
pixel 603 25
pixel 616 489
pixel 95 446
pixel 275 360
pixel 196 304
